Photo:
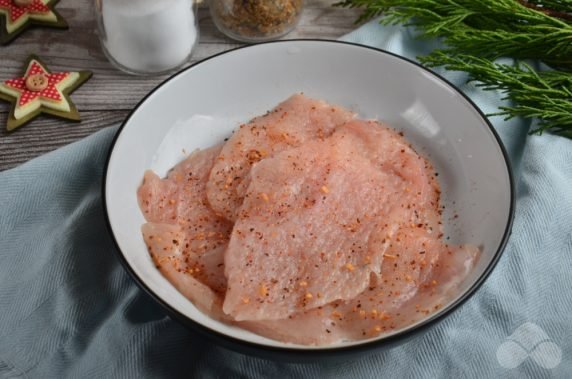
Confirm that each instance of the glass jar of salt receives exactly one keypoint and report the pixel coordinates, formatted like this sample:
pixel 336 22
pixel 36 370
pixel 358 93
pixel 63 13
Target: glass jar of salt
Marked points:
pixel 147 37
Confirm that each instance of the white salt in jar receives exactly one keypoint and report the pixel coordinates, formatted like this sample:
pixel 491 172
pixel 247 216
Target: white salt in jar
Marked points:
pixel 147 37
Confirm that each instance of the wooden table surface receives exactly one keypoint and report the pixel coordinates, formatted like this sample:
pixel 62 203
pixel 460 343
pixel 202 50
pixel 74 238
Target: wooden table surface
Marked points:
pixel 109 96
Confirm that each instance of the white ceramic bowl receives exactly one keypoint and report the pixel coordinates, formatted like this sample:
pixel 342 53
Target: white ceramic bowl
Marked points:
pixel 201 105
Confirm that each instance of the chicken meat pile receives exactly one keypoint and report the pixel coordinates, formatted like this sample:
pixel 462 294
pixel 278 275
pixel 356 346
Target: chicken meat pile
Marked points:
pixel 307 226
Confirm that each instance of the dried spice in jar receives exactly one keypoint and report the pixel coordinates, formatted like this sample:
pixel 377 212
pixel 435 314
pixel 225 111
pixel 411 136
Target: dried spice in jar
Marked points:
pixel 255 20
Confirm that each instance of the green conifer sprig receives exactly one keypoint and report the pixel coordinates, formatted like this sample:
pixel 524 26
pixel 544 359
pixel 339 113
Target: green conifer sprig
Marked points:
pixel 477 32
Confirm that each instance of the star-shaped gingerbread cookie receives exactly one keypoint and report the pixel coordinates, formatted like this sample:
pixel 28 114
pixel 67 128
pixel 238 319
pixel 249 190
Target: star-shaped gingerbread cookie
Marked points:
pixel 21 14
pixel 41 91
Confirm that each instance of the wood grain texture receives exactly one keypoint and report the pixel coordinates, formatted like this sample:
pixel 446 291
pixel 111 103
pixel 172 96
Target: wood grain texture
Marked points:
pixel 107 98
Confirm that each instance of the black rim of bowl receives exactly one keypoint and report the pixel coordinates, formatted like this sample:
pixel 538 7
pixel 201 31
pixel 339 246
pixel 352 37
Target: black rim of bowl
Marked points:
pixel 366 346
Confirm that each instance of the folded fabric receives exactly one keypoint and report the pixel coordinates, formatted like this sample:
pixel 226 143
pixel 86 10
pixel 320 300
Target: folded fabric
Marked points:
pixel 68 309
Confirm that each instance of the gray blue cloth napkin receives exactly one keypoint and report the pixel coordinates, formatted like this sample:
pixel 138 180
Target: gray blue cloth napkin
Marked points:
pixel 69 310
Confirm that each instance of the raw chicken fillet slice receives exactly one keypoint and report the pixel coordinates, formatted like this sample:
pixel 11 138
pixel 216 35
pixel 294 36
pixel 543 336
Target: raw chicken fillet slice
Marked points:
pixel 316 221
pixel 178 203
pixel 292 123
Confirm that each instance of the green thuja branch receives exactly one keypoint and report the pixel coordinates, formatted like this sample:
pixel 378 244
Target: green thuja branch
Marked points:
pixel 476 32
pixel 544 95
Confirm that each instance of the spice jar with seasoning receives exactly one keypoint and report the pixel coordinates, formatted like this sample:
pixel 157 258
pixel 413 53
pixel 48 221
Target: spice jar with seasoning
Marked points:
pixel 255 20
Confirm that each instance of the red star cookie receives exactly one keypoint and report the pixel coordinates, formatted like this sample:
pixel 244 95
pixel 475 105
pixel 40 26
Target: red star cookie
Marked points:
pixel 40 91
pixel 18 15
